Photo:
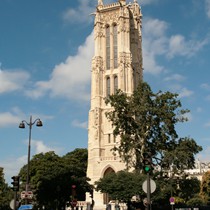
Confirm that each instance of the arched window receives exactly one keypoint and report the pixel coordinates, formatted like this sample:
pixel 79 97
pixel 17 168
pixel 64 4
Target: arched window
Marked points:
pixel 108 47
pixel 115 45
pixel 115 84
pixel 108 86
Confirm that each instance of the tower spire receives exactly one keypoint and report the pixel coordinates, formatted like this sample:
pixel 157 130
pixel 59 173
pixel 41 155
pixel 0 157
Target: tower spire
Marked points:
pixel 100 2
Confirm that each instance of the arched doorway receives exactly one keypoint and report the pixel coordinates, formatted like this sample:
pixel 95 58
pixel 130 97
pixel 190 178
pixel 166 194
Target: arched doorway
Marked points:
pixel 106 195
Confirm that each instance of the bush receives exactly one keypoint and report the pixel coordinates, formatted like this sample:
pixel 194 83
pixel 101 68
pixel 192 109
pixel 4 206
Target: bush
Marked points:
pixel 195 202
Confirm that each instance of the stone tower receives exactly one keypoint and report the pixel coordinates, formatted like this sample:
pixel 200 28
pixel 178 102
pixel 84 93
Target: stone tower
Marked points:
pixel 116 64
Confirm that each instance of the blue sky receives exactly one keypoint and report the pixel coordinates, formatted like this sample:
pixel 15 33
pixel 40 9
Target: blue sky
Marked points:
pixel 45 62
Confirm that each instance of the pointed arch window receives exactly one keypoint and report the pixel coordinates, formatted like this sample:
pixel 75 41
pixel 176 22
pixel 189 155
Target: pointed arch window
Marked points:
pixel 108 47
pixel 115 45
pixel 115 84
pixel 108 86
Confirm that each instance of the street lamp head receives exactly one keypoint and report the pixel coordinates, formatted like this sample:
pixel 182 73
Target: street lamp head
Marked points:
pixel 22 125
pixel 39 123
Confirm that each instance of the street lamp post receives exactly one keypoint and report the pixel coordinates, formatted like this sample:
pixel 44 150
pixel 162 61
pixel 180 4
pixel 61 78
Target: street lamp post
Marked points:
pixel 30 124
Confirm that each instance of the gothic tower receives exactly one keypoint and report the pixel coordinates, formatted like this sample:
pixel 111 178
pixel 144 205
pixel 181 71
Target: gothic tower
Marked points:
pixel 116 64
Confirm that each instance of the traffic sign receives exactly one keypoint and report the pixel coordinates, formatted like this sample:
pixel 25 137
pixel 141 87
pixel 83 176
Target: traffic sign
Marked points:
pixel 74 203
pixel 12 204
pixel 172 200
pixel 26 194
pixel 25 207
pixel 30 194
pixel 152 186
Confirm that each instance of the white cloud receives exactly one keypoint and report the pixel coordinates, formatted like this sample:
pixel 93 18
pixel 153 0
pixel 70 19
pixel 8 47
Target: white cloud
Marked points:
pixel 12 166
pixel 174 84
pixel 70 79
pixel 207 6
pixel 205 86
pixel 154 28
pixel 175 77
pixel 85 8
pixel 157 43
pixel 12 80
pixel 184 92
pixel 8 119
pixel 40 147
pixel 150 64
pixel 78 124
pixel 154 43
pixel 178 46
pixel 15 116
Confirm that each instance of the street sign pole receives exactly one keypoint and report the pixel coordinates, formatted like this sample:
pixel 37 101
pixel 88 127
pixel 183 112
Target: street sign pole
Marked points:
pixel 148 186
pixel 172 202
pixel 148 193
pixel 15 199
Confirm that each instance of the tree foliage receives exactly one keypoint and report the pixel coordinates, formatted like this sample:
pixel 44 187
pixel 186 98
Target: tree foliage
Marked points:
pixel 195 201
pixel 182 156
pixel 121 186
pixel 205 187
pixel 188 188
pixel 145 122
pixel 6 193
pixel 52 177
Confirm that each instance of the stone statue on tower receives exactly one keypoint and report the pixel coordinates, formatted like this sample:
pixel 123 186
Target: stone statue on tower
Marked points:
pixel 100 2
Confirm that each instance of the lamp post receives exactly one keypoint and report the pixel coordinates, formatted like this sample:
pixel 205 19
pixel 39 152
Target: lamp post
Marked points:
pixel 30 124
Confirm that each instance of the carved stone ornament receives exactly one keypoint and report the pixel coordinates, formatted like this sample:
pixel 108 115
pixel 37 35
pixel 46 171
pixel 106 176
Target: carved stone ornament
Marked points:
pixel 111 17
pixel 100 2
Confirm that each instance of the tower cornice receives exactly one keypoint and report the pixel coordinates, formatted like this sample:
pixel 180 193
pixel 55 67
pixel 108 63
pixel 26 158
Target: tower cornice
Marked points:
pixel 104 8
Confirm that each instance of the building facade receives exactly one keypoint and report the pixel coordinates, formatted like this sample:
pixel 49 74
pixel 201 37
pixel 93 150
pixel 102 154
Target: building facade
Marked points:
pixel 201 167
pixel 116 64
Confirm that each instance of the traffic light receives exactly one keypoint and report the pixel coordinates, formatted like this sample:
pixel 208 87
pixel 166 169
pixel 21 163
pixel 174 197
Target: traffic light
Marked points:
pixel 15 183
pixel 147 162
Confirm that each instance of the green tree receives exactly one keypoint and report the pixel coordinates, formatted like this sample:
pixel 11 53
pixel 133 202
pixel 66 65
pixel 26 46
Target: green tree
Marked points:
pixel 188 188
pixel 45 176
pixel 205 187
pixel 182 156
pixel 6 193
pixel 183 188
pixel 76 163
pixel 195 201
pixel 52 177
pixel 145 122
pixel 121 186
